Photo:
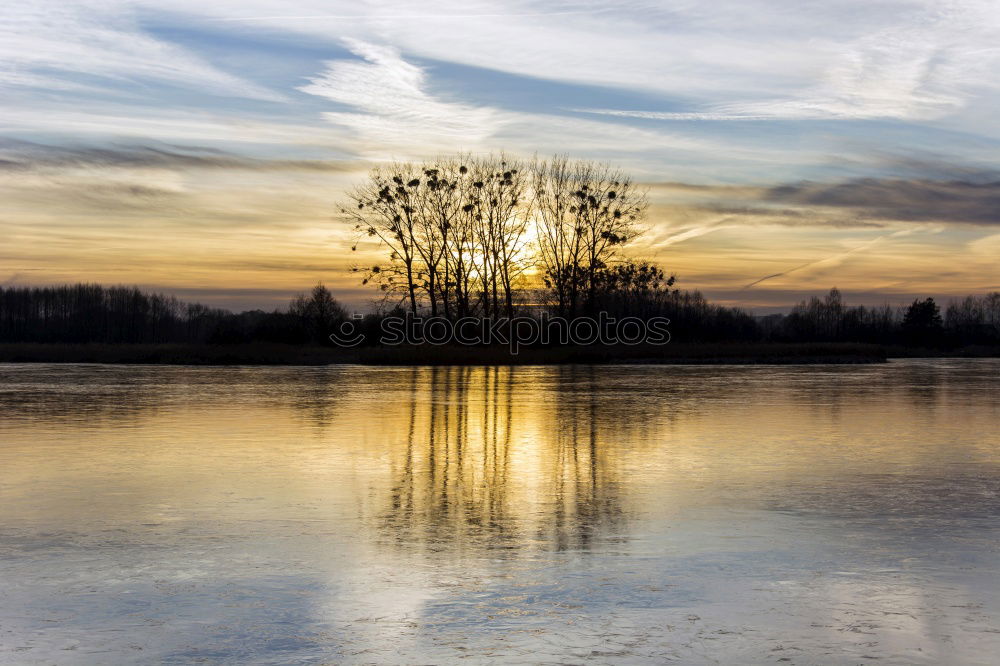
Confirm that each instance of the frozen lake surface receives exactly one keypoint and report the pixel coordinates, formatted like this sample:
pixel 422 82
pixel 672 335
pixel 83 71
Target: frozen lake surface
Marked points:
pixel 615 514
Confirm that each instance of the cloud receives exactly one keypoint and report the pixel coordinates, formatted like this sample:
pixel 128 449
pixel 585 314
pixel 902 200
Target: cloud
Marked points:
pixel 393 113
pixel 746 60
pixel 431 17
pixel 730 59
pixel 667 115
pixel 905 73
pixel 25 156
pixel 393 106
pixel 956 194
pixel 906 200
pixel 129 186
pixel 839 258
pixel 925 65
pixel 60 45
pixel 100 122
pixel 694 232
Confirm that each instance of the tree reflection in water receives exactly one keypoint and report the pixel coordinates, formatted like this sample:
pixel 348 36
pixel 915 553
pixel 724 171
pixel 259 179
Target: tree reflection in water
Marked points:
pixel 469 476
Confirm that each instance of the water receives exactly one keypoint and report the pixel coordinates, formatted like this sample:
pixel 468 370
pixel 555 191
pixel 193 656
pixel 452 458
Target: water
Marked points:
pixel 629 514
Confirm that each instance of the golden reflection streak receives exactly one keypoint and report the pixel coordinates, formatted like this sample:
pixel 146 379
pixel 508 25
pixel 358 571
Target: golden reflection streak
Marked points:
pixel 467 473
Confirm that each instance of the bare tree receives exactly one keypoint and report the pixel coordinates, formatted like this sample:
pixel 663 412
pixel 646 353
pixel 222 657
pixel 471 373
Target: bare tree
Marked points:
pixel 559 248
pixel 456 229
pixel 385 207
pixel 442 192
pixel 585 212
pixel 500 212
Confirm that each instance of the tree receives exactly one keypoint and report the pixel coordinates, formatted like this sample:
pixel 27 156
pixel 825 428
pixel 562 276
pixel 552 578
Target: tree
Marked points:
pixel 385 207
pixel 319 312
pixel 501 219
pixel 823 319
pixel 975 319
pixel 585 213
pixel 454 230
pixel 634 288
pixel 922 322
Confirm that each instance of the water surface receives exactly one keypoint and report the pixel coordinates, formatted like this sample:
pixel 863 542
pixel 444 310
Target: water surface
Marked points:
pixel 610 514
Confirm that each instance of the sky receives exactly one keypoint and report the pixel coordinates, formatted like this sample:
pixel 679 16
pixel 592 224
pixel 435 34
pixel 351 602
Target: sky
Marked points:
pixel 202 148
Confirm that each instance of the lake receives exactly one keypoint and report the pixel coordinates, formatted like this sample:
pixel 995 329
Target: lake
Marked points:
pixel 574 514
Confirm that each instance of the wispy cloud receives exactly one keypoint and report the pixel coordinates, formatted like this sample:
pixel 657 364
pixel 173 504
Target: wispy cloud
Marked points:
pixel 393 105
pixel 732 60
pixel 670 115
pixel 688 234
pixel 928 63
pixel 100 121
pixel 953 201
pixel 838 258
pixel 957 196
pixel 393 112
pixel 54 45
pixel 429 16
pixel 18 155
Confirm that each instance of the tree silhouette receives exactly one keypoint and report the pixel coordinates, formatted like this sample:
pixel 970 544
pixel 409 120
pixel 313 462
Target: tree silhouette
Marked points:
pixel 456 230
pixel 585 213
pixel 319 312
pixel 922 322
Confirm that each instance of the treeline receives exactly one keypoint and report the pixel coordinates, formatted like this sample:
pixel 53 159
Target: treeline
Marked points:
pixel 643 290
pixel 87 313
pixel 974 320
pixel 90 313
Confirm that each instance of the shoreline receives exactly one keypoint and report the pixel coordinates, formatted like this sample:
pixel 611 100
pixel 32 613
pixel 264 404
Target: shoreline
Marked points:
pixel 763 353
pixel 276 354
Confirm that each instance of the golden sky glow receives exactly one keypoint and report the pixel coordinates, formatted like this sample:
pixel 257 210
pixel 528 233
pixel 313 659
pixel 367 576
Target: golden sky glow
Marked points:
pixel 203 151
pixel 249 238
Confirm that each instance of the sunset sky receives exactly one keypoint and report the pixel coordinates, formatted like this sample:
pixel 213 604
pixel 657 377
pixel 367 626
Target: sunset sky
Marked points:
pixel 201 148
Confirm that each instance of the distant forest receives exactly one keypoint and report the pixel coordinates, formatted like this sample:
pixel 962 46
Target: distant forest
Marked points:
pixel 87 313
